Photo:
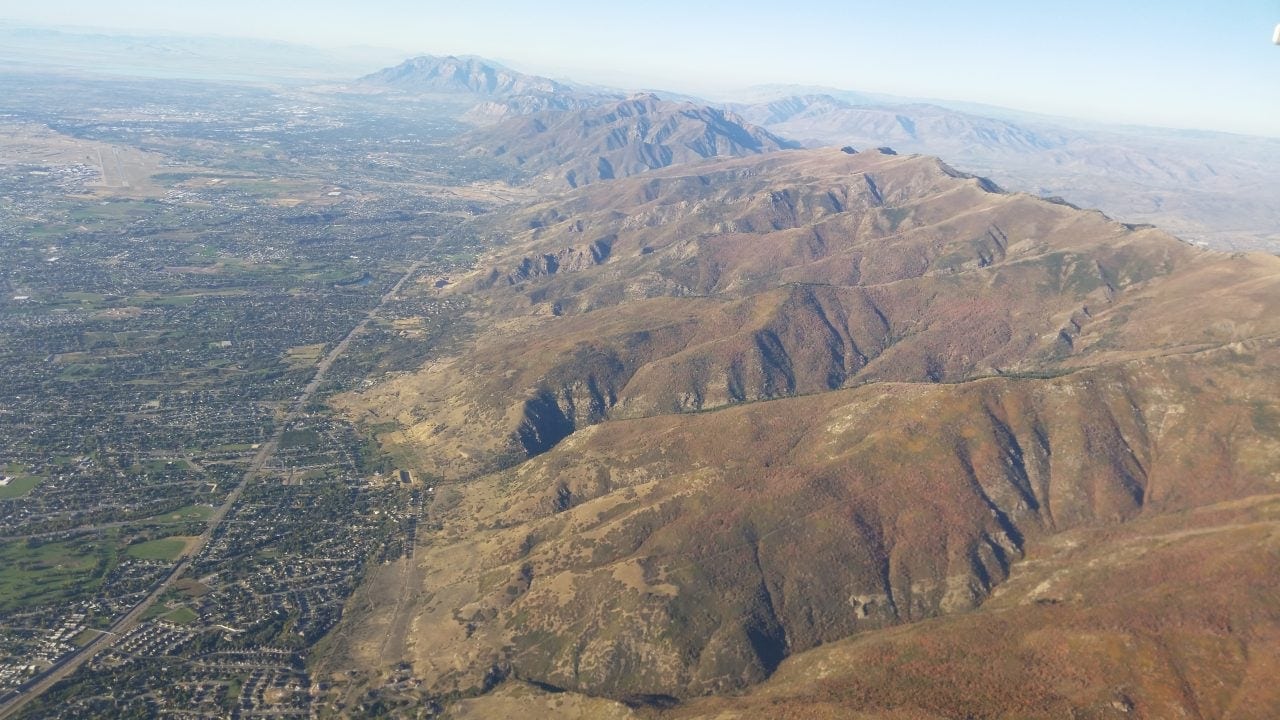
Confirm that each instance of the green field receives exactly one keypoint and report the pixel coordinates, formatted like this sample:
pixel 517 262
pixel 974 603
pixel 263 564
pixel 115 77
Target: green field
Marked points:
pixel 83 371
pixel 156 611
pixel 235 447
pixel 173 300
pixel 19 486
pixel 84 298
pixel 162 549
pixel 160 465
pixel 31 576
pixel 182 616
pixel 184 514
pixel 300 438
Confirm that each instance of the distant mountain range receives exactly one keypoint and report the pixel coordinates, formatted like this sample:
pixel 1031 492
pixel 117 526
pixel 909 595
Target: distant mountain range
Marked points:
pixel 462 75
pixel 620 139
pixel 1212 187
pixel 1219 189
pixel 563 136
pixel 1215 188
pixel 826 120
pixel 495 92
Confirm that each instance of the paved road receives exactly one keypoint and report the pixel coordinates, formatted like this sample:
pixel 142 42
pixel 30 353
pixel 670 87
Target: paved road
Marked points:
pixel 37 686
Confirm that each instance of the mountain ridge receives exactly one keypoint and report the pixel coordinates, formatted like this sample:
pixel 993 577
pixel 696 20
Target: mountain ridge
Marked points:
pixel 619 139
pixel 1214 188
pixel 498 92
pixel 471 74
pixel 735 409
pixel 726 410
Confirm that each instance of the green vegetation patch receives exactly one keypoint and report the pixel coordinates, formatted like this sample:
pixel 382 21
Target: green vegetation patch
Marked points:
pixel 156 611
pixel 304 355
pixel 896 216
pixel 299 438
pixel 383 428
pixel 1085 277
pixel 84 298
pixel 18 486
pixel 158 466
pixel 1266 419
pixel 234 687
pixel 83 371
pixel 115 210
pixel 182 616
pixel 162 549
pixel 173 300
pixel 185 514
pixel 31 576
pixel 85 637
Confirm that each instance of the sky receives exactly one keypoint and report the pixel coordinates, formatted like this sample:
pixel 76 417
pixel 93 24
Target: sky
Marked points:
pixel 1205 64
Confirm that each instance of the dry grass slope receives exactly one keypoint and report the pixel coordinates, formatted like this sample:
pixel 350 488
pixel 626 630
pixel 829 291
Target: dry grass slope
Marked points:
pixel 858 427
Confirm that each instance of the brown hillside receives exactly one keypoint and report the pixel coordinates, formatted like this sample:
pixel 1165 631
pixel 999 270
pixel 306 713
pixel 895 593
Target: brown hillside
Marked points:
pixel 1163 617
pixel 752 407
pixel 939 279
pixel 1168 617
pixel 686 554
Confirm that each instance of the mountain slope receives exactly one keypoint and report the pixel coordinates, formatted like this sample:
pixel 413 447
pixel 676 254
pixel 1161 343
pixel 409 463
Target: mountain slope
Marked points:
pixel 1162 617
pixel 1166 617
pixel 800 272
pixel 686 554
pixel 726 412
pixel 619 139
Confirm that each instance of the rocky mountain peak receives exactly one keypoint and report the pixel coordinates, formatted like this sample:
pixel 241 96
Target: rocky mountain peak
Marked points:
pixel 430 73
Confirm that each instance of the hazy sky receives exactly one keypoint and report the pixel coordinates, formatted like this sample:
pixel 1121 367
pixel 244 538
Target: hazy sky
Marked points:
pixel 1182 63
